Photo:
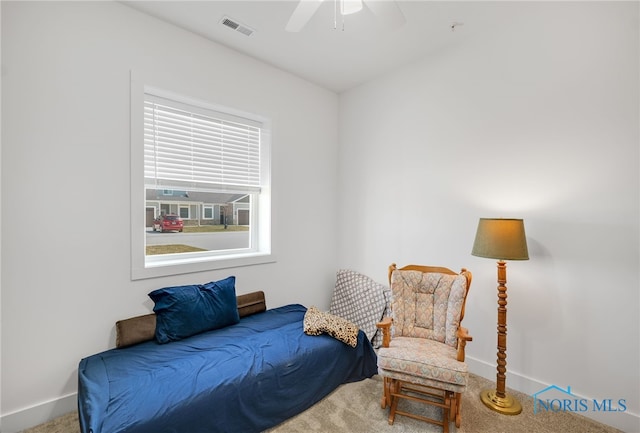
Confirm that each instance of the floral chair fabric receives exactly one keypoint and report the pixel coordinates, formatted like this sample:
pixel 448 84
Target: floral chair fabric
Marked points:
pixel 427 305
pixel 423 361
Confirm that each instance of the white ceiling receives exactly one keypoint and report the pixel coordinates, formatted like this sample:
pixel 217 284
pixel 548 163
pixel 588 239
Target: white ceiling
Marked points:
pixel 332 58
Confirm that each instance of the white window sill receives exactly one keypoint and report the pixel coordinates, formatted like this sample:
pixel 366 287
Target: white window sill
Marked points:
pixel 184 266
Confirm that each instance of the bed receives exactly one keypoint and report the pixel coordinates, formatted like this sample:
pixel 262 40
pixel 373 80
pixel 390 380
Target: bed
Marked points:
pixel 243 377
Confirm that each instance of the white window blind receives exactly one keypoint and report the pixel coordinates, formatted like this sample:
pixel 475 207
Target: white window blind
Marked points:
pixel 190 146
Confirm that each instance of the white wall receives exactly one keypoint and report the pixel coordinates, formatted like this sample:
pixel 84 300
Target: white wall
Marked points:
pixel 65 184
pixel 535 118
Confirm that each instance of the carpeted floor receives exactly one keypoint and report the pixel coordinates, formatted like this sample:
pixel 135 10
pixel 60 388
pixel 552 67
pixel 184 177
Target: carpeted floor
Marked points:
pixel 355 408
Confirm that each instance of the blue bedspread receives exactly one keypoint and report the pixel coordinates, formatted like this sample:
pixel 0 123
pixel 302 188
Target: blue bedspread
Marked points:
pixel 243 378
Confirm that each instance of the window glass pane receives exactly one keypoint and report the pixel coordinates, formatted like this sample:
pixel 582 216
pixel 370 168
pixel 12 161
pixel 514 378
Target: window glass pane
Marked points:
pixel 173 233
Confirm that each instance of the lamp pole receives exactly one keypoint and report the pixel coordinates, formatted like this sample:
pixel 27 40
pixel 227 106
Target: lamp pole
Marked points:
pixel 498 399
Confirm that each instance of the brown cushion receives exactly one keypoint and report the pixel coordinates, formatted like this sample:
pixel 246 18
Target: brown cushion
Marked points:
pixel 135 330
pixel 251 303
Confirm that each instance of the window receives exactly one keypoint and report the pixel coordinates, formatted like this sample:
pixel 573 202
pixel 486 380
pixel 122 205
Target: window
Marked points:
pixel 184 213
pixel 207 212
pixel 209 168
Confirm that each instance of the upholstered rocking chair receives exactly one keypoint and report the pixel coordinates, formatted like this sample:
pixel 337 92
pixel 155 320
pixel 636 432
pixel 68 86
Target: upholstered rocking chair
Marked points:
pixel 424 361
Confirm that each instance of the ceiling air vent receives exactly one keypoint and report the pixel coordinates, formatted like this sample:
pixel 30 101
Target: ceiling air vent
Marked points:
pixel 235 25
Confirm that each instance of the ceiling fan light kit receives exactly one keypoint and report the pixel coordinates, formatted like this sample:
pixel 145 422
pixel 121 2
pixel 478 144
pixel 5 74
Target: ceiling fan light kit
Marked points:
pixel 348 7
pixel 386 11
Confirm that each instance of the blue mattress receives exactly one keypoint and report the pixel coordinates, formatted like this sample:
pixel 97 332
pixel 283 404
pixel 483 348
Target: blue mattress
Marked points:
pixel 245 377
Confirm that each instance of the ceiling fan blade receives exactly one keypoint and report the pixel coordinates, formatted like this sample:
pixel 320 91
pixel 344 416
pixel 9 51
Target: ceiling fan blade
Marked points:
pixel 302 14
pixel 387 12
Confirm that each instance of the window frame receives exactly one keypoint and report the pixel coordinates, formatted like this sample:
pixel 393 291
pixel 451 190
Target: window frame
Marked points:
pixel 188 208
pixel 141 267
pixel 210 207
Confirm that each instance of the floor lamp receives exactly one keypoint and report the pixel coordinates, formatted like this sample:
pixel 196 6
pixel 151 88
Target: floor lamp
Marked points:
pixel 502 239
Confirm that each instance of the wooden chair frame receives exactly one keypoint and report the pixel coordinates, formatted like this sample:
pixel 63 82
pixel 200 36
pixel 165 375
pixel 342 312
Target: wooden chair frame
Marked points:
pixel 395 389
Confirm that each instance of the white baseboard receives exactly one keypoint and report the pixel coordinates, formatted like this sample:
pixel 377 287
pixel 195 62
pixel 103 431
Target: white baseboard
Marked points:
pixel 626 421
pixel 26 418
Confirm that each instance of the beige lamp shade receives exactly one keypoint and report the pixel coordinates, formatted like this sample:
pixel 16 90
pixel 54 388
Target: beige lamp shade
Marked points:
pixel 501 238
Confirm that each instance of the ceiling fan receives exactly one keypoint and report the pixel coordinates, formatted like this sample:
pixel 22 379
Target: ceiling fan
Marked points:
pixel 386 11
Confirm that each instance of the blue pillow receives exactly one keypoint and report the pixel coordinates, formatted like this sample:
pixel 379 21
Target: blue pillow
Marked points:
pixel 183 311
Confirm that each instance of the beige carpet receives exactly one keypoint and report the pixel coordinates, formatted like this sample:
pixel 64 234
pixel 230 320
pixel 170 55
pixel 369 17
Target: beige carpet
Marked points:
pixel 355 408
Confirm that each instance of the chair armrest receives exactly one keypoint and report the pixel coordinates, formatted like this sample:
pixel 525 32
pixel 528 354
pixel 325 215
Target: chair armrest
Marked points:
pixel 385 325
pixel 463 333
pixel 463 337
